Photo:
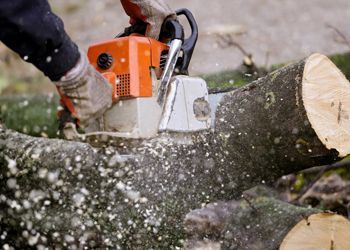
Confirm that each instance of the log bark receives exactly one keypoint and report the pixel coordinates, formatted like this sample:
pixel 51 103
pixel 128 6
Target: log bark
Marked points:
pixel 135 194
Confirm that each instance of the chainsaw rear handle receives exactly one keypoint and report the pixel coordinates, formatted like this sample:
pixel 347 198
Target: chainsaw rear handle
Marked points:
pixel 189 43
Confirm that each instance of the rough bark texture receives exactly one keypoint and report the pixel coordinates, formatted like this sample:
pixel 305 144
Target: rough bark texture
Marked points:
pixel 135 194
pixel 259 222
pixel 264 126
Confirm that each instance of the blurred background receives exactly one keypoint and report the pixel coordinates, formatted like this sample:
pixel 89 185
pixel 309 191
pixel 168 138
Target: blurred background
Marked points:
pixel 272 31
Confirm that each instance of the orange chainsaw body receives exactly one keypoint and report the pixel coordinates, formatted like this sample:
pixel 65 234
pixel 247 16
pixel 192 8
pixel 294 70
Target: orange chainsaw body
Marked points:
pixel 127 62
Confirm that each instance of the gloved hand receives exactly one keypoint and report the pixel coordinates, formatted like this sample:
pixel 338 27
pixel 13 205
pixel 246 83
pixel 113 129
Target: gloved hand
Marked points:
pixel 151 12
pixel 86 94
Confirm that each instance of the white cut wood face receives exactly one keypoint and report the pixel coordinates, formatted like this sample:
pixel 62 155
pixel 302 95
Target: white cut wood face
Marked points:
pixel 326 97
pixel 323 231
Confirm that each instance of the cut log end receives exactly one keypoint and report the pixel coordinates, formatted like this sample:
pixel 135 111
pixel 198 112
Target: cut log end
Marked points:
pixel 326 97
pixel 319 231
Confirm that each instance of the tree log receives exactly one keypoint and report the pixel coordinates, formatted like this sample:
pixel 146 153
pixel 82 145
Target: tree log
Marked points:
pixel 264 222
pixel 135 193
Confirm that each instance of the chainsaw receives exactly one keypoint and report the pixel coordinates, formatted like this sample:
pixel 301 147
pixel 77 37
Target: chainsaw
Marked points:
pixel 152 92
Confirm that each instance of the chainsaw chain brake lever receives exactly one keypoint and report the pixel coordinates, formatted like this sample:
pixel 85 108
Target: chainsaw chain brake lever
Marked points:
pixel 177 61
pixel 172 29
pixel 189 43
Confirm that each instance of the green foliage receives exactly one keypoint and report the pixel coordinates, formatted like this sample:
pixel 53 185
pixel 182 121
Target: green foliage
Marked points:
pixel 35 115
pixel 343 63
pixel 299 183
pixel 228 78
pixel 237 78
pixel 3 83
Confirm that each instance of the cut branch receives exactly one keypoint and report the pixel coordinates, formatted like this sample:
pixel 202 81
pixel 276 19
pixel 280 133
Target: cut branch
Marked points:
pixel 273 225
pixel 237 226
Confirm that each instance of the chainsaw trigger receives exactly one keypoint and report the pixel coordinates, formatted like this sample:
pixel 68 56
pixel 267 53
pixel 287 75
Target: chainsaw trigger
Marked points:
pixel 70 131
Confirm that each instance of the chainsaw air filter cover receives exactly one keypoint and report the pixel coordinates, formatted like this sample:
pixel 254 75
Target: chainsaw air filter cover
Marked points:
pixel 126 62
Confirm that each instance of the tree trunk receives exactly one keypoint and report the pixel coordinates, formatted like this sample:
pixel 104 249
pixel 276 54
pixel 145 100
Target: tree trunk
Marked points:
pixel 135 194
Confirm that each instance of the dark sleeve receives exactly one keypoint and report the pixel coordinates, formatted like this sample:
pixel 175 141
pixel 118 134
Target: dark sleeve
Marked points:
pixel 30 28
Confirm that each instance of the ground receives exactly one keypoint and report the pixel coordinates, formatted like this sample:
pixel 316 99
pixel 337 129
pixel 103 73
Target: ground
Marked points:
pixel 272 31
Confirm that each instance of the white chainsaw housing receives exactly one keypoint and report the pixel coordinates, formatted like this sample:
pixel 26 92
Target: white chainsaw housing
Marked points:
pixel 134 118
pixel 186 109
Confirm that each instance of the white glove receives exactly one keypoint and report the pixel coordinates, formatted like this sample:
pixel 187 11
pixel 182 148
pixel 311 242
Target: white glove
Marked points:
pixel 151 12
pixel 86 94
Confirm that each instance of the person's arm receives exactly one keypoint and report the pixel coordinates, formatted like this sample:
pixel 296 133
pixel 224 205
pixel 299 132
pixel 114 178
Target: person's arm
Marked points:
pixel 31 29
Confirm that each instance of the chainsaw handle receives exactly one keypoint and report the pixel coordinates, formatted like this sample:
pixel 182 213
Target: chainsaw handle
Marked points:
pixel 189 43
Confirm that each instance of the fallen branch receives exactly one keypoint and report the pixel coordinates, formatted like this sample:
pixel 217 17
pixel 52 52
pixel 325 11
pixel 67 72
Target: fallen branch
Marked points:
pixel 315 170
pixel 235 225
pixel 271 224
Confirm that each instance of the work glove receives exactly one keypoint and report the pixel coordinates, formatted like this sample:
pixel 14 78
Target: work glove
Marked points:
pixel 151 12
pixel 86 94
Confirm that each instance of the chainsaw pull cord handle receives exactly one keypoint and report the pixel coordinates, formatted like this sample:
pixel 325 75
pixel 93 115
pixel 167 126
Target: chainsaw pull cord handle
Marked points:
pixel 189 43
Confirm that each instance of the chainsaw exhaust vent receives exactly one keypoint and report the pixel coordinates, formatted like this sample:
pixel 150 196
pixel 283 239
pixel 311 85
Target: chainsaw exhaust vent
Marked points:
pixel 123 85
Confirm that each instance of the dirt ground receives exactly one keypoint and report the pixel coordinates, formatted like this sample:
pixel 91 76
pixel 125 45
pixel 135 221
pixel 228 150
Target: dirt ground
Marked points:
pixel 272 31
